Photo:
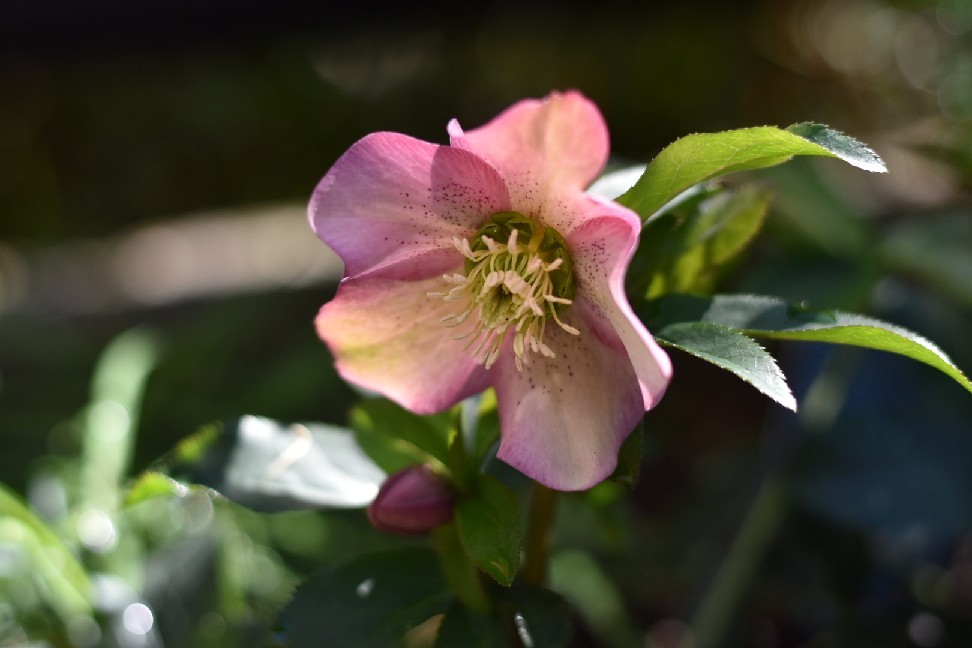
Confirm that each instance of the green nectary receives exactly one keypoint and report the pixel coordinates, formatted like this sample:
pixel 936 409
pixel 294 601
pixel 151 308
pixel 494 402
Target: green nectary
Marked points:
pixel 533 238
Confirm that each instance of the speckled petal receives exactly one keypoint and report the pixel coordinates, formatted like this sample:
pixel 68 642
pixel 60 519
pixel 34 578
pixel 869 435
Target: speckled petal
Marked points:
pixel 391 198
pixel 386 335
pixel 543 149
pixel 563 419
pixel 601 249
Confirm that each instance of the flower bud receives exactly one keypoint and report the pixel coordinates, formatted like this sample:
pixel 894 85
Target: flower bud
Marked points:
pixel 413 501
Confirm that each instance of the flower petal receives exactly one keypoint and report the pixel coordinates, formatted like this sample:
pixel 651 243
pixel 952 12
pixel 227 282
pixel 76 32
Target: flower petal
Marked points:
pixel 564 418
pixel 542 148
pixel 386 335
pixel 391 197
pixel 601 248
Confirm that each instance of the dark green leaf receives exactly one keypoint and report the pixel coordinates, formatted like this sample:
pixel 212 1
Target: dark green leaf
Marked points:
pixel 538 618
pixel 463 628
pixel 733 351
pixel 629 458
pixel 266 466
pixel 700 157
pixel 685 249
pixel 488 521
pixel 772 318
pixel 371 600
pixel 395 438
pixel 541 617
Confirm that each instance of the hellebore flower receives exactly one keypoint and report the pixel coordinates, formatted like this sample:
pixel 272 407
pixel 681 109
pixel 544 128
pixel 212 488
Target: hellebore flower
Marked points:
pixel 484 263
pixel 413 501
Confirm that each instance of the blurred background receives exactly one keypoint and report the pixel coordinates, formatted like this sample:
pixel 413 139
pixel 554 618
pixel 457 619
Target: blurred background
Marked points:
pixel 157 274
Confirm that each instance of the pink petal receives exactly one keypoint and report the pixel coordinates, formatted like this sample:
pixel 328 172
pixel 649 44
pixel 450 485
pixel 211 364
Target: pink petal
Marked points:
pixel 542 148
pixel 391 197
pixel 601 248
pixel 563 419
pixel 386 336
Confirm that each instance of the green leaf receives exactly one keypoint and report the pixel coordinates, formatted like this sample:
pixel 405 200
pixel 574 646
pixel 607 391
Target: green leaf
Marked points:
pixel 629 458
pixel 769 317
pixel 488 522
pixel 372 600
pixel 267 466
pixel 395 438
pixel 65 583
pixel 703 156
pixel 685 249
pixel 538 617
pixel 734 352
pixel 541 617
pixel 151 484
pixel 839 145
pixel 464 628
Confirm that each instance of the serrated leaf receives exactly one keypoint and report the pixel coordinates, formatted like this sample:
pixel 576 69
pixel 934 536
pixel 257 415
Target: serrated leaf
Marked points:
pixel 703 156
pixel 396 438
pixel 372 600
pixel 268 466
pixel 734 352
pixel 488 522
pixel 770 317
pixel 841 146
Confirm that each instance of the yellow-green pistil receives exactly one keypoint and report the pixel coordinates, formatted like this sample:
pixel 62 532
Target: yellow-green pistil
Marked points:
pixel 518 274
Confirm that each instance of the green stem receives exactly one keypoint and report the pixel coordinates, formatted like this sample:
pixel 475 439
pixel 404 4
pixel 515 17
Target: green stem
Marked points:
pixel 735 574
pixel 539 533
pixel 459 571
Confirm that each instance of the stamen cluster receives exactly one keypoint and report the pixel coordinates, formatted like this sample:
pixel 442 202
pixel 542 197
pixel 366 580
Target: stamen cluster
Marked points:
pixel 511 284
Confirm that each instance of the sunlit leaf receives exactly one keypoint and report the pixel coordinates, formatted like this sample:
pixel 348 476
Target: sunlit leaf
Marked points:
pixel 703 156
pixel 772 318
pixel 733 351
pixel 488 521
pixel 65 582
pixel 396 438
pixel 372 600
pixel 268 466
pixel 152 484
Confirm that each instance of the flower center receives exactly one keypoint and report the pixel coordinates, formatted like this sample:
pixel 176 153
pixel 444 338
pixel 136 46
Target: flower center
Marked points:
pixel 518 274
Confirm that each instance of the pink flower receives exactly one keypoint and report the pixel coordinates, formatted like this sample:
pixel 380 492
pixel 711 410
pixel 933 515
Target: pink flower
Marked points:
pixel 484 264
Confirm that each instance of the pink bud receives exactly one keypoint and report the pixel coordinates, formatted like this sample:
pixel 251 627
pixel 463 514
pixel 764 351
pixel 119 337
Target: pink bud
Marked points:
pixel 413 501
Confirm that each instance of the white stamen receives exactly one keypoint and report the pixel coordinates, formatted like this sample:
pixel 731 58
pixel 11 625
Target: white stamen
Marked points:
pixel 510 288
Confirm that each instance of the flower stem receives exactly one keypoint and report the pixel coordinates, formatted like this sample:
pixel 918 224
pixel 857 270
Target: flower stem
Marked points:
pixel 460 573
pixel 539 532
